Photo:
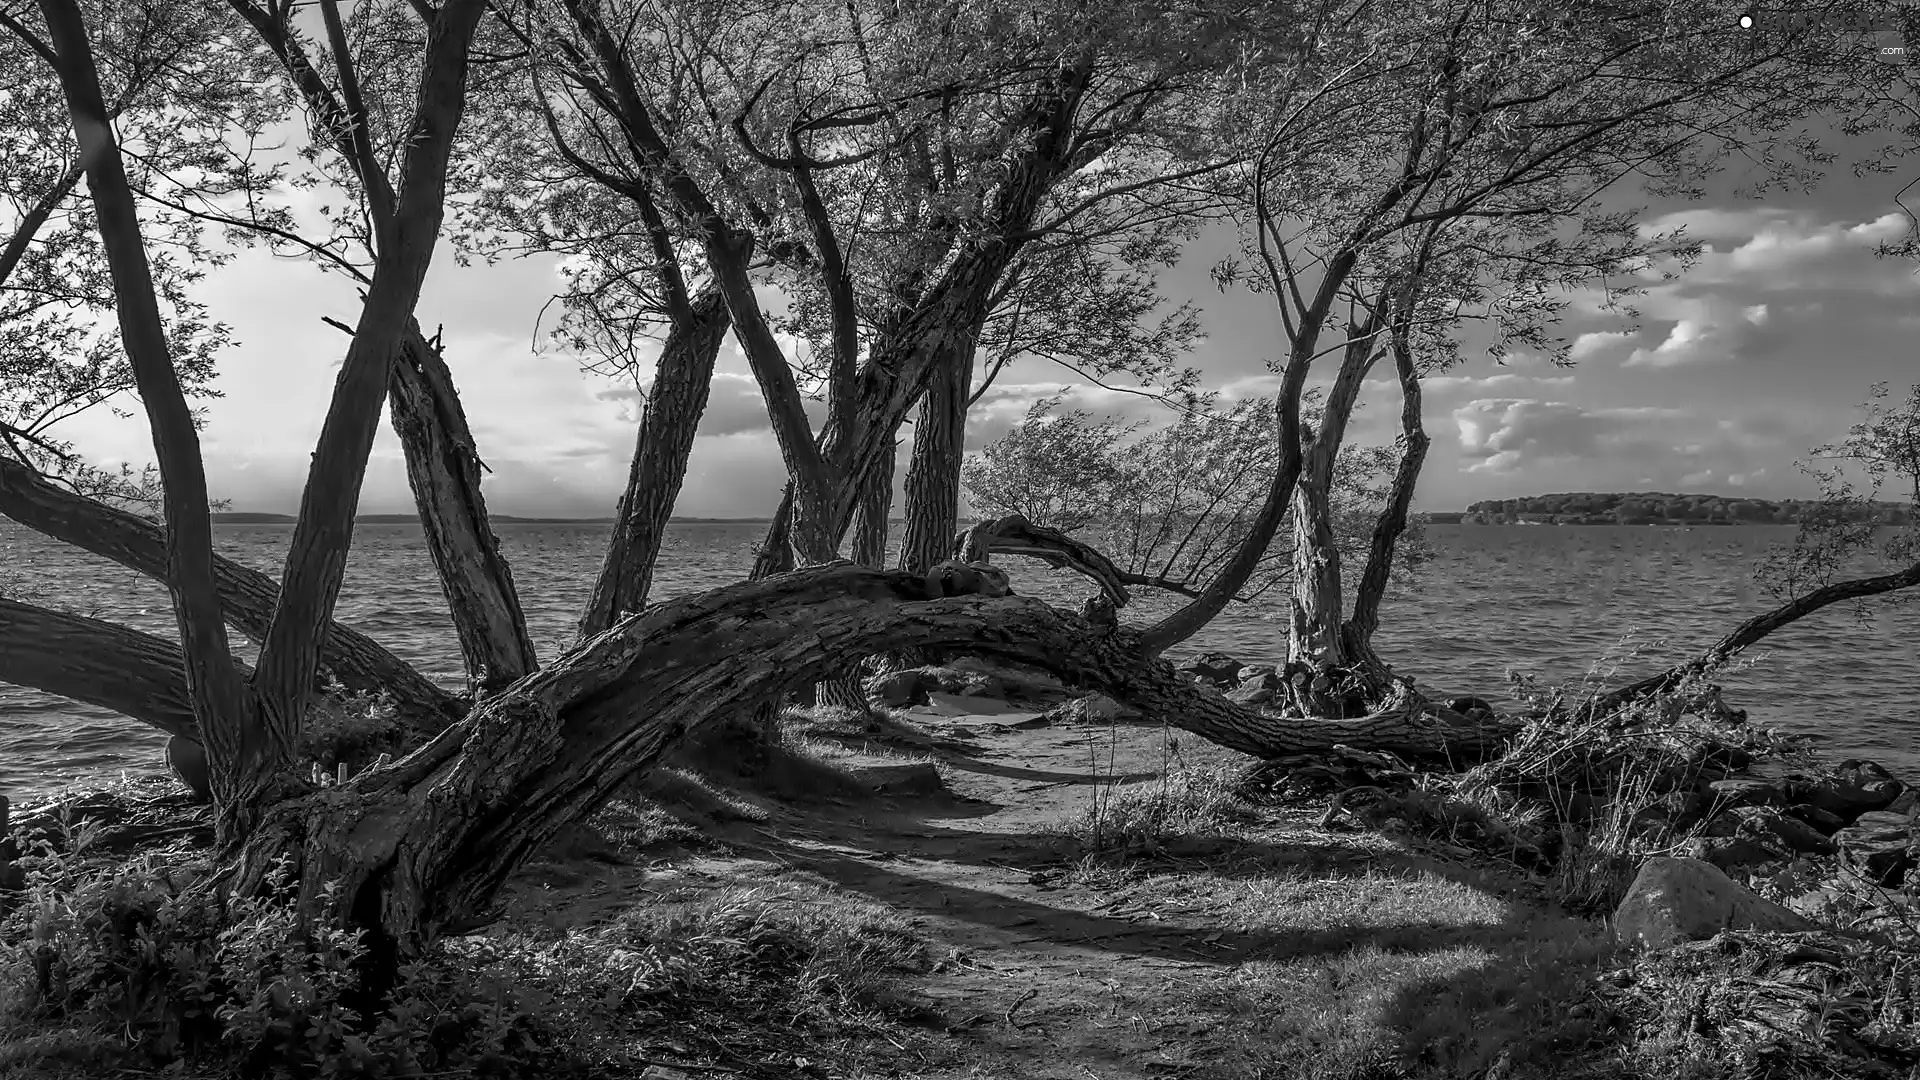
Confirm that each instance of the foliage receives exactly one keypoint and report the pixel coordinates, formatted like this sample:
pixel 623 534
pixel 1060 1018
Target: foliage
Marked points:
pixel 145 959
pixel 187 102
pixel 1172 503
pixel 1657 508
pixel 1842 533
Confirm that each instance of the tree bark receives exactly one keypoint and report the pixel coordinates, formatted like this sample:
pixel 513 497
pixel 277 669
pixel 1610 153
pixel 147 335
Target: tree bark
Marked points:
pixel 1392 522
pixel 872 527
pixel 429 840
pixel 97 662
pixel 317 554
pixel 246 596
pixel 681 381
pixel 933 477
pixel 1750 632
pixel 443 468
pixel 248 752
pixel 1316 603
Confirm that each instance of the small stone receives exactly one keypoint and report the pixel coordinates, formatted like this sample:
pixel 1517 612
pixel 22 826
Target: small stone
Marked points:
pixel 1675 900
pixel 1826 821
pixel 1215 667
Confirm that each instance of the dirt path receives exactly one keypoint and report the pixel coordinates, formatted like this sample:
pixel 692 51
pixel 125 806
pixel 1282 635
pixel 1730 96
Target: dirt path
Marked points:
pixel 1056 969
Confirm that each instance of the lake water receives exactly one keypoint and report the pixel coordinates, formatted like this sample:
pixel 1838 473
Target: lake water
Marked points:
pixel 1544 600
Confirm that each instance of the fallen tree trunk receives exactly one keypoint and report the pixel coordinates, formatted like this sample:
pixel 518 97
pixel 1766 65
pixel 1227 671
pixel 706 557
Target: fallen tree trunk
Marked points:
pixel 428 840
pixel 247 597
pixel 1750 632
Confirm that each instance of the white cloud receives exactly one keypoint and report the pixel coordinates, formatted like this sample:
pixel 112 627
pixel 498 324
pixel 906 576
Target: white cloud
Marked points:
pixel 1599 341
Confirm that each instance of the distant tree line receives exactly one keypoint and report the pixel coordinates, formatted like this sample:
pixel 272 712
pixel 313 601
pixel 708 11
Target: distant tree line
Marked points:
pixel 1659 508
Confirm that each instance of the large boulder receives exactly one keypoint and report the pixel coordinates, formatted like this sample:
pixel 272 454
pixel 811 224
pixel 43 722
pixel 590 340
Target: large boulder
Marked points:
pixel 1019 682
pixel 187 760
pixel 1675 900
pixel 1092 710
pixel 1880 845
pixel 1750 791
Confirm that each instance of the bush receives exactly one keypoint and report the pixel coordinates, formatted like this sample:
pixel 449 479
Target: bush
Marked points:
pixel 145 961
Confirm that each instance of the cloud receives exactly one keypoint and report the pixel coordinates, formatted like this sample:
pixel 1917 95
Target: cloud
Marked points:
pixel 1599 341
pixel 1616 445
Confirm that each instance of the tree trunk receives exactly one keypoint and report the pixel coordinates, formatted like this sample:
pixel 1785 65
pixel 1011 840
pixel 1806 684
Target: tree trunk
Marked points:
pixel 443 468
pixel 97 662
pixel 317 552
pixel 933 477
pixel 681 381
pixel 1392 522
pixel 410 847
pixel 1316 603
pixel 249 752
pixel 1750 632
pixel 246 596
pixel 848 691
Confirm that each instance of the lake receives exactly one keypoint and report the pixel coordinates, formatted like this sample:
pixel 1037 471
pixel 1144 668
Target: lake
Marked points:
pixel 1554 602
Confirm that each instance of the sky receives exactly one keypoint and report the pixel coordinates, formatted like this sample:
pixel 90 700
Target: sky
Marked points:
pixel 1764 348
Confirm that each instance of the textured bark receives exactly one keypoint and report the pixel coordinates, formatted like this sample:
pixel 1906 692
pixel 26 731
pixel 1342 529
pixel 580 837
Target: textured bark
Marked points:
pixel 872 525
pixel 1315 606
pixel 443 468
pixel 246 596
pixel 248 751
pixel 99 663
pixel 675 403
pixel 933 476
pixel 1752 631
pixel 429 840
pixel 317 553
pixel 1392 522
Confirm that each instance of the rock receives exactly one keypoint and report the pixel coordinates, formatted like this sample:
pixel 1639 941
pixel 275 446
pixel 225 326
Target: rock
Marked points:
pixel 1215 667
pixel 913 778
pixel 1826 821
pixel 661 1072
pixel 897 688
pixel 1094 709
pixel 1730 853
pixel 1670 813
pixel 188 763
pixel 1880 845
pixel 1470 705
pixel 1852 789
pixel 1908 804
pixel 1251 693
pixel 1750 791
pixel 1675 900
pixel 1771 828
pixel 1015 682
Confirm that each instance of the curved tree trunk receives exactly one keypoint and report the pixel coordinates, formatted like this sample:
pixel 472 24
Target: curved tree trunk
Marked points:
pixel 246 596
pixel 97 662
pixel 443 467
pixel 408 848
pixel 1750 632
pixel 681 382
